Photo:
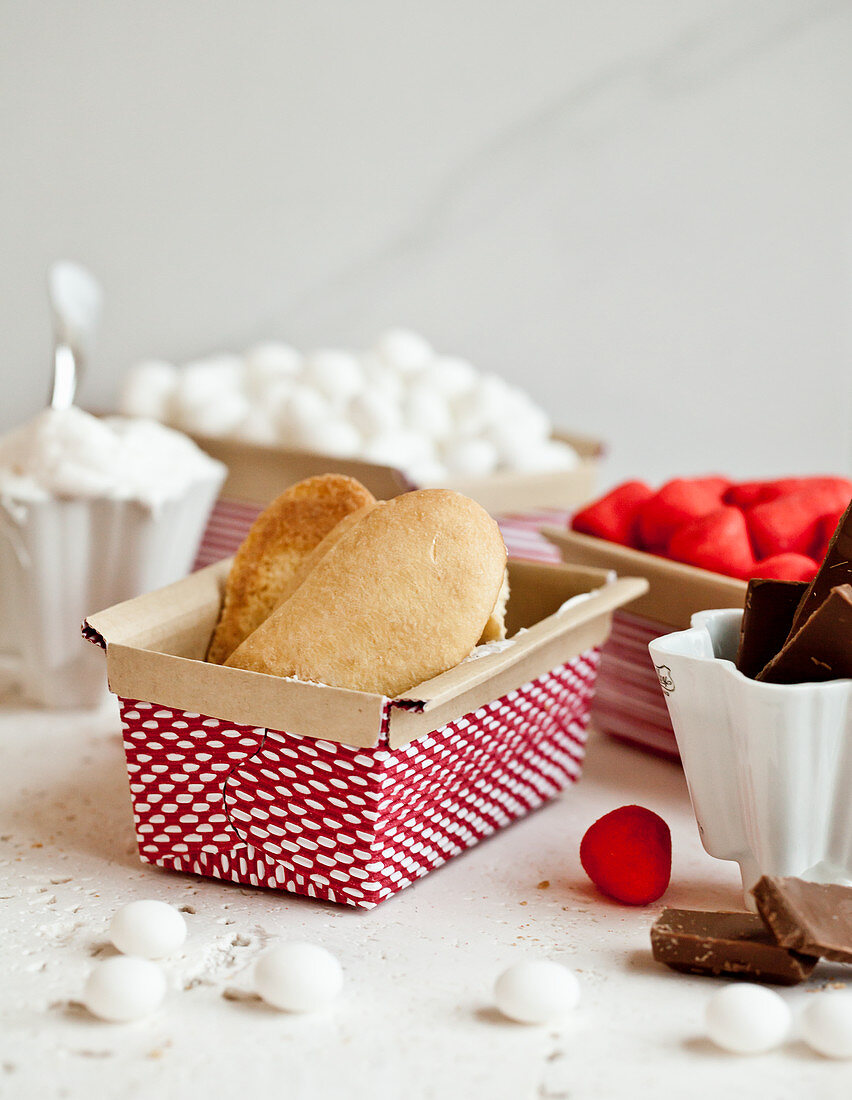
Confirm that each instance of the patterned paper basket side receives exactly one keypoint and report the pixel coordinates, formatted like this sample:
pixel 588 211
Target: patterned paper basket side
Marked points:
pixel 350 825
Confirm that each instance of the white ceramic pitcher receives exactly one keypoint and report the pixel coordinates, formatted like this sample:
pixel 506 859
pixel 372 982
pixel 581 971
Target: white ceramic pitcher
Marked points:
pixel 769 766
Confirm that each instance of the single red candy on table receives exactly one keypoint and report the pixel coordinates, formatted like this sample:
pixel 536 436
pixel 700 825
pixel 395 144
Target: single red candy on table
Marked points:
pixel 614 516
pixel 675 504
pixel 628 855
pixel 718 542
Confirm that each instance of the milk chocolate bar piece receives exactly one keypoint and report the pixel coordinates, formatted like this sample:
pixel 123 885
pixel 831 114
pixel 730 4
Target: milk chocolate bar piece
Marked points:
pixel 768 615
pixel 821 649
pixel 836 569
pixel 732 945
pixel 807 916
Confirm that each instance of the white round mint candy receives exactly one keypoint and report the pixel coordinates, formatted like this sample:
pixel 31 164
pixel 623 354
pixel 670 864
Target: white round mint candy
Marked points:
pixel 746 1019
pixel 298 977
pixel 537 991
pixel 404 349
pixel 471 458
pixel 382 378
pixel 398 448
pixel 336 374
pixel 258 427
pixel 147 389
pixel 827 1024
pixel 150 929
pixel 124 988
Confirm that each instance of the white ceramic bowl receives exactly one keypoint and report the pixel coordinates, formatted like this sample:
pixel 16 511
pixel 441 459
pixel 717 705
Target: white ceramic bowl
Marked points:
pixel 61 560
pixel 769 766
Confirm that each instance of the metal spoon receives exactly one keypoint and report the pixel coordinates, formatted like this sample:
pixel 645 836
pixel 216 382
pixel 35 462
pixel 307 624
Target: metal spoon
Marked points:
pixel 75 301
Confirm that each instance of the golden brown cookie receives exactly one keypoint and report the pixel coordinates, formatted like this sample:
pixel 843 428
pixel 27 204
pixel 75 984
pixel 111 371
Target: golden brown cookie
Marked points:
pixel 403 595
pixel 279 541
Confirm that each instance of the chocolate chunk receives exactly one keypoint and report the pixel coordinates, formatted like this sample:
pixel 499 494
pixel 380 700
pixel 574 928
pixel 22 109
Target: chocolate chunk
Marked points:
pixel 821 649
pixel 732 945
pixel 836 569
pixel 769 609
pixel 811 917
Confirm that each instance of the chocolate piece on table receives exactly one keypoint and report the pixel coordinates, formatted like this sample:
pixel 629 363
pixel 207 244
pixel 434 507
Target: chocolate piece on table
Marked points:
pixel 836 569
pixel 730 945
pixel 812 917
pixel 768 615
pixel 821 649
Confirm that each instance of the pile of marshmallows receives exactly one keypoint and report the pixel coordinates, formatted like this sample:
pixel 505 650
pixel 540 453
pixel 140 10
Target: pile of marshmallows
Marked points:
pixel 399 404
pixel 303 977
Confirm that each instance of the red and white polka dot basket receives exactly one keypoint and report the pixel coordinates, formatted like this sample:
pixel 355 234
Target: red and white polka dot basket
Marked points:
pixel 362 794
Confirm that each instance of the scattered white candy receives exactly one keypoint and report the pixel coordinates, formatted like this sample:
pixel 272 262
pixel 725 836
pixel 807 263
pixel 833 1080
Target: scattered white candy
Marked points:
pixel 428 473
pixel 298 977
pixel 336 374
pixel 150 929
pixel 399 448
pixel 124 989
pixel 471 458
pixel 405 350
pixel 536 992
pixel 148 389
pixel 746 1019
pixel 827 1024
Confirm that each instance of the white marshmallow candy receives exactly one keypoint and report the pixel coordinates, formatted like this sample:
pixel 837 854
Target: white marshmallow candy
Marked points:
pixel 381 378
pixel 298 977
pixel 427 412
pixel 269 363
pixel 258 427
pixel 147 389
pixel 299 412
pixel 449 376
pixel 489 402
pixel 537 991
pixel 404 349
pixel 470 458
pixel 427 474
pixel 330 437
pixel 124 988
pixel 374 413
pixel 827 1024
pixel 399 448
pixel 150 929
pixel 209 398
pixel 336 374
pixel 746 1019
pixel 544 458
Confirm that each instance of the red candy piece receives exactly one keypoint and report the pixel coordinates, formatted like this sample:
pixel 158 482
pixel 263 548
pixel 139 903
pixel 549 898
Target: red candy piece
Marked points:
pixel 677 503
pixel 718 542
pixel 791 523
pixel 628 855
pixel 613 517
pixel 786 567
pixel 749 493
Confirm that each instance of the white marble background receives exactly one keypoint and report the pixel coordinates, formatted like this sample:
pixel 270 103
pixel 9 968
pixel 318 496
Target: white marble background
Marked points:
pixel 641 211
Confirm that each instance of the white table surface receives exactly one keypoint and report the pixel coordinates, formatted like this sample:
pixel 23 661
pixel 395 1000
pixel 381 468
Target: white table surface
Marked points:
pixel 416 1018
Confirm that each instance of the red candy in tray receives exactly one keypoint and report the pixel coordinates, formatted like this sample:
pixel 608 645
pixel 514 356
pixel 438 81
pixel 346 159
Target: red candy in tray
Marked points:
pixel 697 541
